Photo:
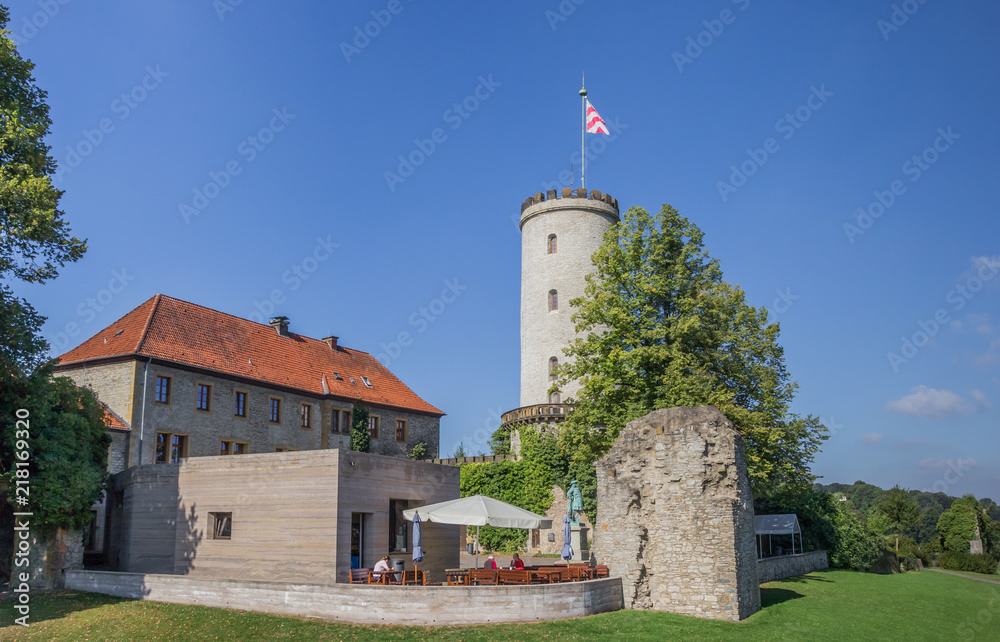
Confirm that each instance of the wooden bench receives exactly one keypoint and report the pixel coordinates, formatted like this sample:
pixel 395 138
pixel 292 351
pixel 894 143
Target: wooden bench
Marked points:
pixel 600 571
pixel 457 577
pixel 514 577
pixel 482 577
pixel 360 575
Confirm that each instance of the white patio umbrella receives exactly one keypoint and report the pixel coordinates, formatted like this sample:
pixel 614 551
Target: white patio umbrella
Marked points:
pixel 479 510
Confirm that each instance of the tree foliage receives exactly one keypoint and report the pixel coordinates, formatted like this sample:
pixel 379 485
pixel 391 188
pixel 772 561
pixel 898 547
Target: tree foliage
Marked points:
pixel 899 510
pixel 34 237
pixel 359 429
pixel 856 545
pixel 660 328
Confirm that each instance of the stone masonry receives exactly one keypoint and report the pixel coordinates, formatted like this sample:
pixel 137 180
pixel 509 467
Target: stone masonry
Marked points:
pixel 675 515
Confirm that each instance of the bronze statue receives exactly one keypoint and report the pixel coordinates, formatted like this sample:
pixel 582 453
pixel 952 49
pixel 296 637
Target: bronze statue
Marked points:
pixel 574 502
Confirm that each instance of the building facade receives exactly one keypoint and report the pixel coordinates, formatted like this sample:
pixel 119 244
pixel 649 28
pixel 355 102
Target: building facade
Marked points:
pixel 188 381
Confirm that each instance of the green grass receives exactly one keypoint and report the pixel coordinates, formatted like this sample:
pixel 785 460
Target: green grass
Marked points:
pixel 826 605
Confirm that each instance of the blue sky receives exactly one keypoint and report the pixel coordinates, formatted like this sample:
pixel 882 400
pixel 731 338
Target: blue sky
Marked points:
pixel 211 148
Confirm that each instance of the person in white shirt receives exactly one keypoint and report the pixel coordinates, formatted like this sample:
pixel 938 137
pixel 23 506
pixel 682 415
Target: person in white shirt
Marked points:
pixel 381 567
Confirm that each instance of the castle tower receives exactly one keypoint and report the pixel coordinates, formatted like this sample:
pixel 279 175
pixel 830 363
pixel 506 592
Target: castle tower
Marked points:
pixel 559 235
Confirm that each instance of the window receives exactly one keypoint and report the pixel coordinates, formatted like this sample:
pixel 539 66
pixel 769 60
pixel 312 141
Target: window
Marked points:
pixel 336 375
pixel 221 525
pixel 233 447
pixel 401 430
pixel 240 404
pixel 373 427
pixel 204 397
pixel 162 390
pixel 283 449
pixel 553 300
pixel 397 525
pixel 306 415
pixel 345 425
pixel 366 381
pixel 335 421
pixel 551 247
pixel 274 414
pixel 553 364
pixel 170 448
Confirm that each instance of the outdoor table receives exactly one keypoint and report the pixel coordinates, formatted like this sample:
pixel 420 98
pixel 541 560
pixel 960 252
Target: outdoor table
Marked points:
pixel 544 576
pixel 457 577
pixel 388 577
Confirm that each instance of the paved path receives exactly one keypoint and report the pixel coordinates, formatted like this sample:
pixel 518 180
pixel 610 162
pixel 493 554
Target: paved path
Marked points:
pixel 981 579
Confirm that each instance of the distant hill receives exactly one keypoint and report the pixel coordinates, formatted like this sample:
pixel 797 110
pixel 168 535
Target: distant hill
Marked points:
pixel 863 497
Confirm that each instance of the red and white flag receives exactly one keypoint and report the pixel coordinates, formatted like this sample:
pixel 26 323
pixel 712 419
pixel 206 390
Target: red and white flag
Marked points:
pixel 595 124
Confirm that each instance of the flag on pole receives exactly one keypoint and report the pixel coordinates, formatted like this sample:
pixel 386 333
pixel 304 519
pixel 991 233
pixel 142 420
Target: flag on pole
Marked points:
pixel 595 124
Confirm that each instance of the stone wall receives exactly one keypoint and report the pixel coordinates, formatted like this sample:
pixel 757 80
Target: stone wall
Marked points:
pixel 114 384
pixel 675 515
pixel 364 604
pixel 770 569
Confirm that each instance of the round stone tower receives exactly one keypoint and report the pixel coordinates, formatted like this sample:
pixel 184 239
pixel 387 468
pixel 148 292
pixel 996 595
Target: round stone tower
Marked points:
pixel 559 235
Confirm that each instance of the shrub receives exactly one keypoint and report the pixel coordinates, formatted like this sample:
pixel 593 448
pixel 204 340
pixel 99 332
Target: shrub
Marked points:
pixel 958 561
pixel 856 546
pixel 911 563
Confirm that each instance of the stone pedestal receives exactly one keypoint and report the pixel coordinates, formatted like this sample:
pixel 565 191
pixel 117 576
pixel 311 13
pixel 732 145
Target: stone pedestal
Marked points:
pixel 578 540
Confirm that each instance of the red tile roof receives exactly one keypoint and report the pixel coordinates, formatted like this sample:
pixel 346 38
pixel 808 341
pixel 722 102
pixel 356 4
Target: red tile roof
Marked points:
pixel 174 330
pixel 112 420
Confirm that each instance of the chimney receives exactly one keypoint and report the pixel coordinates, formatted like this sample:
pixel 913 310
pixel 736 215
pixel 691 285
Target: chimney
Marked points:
pixel 281 325
pixel 332 342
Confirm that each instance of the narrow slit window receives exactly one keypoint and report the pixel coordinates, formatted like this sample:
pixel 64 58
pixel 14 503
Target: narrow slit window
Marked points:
pixel 552 247
pixel 553 300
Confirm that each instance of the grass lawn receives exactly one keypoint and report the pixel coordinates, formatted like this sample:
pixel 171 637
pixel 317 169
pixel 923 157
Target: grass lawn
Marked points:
pixel 826 605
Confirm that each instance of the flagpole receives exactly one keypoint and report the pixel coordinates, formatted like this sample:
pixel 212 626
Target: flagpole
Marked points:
pixel 583 134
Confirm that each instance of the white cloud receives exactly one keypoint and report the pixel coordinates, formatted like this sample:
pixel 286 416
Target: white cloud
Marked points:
pixel 930 465
pixel 872 437
pixel 929 402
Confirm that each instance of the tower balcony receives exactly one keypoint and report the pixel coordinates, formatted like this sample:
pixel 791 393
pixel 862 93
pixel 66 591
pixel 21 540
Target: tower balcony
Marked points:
pixel 541 413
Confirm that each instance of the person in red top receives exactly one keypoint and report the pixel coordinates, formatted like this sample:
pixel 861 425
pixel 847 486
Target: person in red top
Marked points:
pixel 516 563
pixel 490 563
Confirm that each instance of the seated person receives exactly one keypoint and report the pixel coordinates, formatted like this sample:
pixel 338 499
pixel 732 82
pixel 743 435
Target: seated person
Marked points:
pixel 381 566
pixel 490 563
pixel 516 563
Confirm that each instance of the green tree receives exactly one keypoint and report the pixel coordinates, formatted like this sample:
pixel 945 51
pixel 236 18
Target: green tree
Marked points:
pixel 660 329
pixel 359 429
pixel 899 510
pixel 856 545
pixel 35 239
pixel 66 438
pixel 958 525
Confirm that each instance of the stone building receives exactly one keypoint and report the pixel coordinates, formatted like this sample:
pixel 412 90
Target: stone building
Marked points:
pixel 675 515
pixel 188 381
pixel 179 380
pixel 559 234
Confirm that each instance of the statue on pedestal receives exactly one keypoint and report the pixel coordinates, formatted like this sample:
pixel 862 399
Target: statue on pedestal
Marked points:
pixel 574 503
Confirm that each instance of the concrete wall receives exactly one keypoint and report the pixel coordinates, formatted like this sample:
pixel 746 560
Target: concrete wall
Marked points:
pixel 411 605
pixel 778 568
pixel 579 225
pixel 291 514
pixel 368 482
pixel 675 515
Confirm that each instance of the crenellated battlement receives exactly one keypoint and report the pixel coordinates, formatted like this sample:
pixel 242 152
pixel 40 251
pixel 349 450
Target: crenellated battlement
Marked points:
pixel 551 194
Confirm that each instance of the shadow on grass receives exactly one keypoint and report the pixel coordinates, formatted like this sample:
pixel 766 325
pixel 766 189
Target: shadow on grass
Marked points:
pixel 772 596
pixel 815 576
pixel 59 604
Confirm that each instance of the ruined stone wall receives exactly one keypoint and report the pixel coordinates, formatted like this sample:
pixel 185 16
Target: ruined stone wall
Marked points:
pixel 675 515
